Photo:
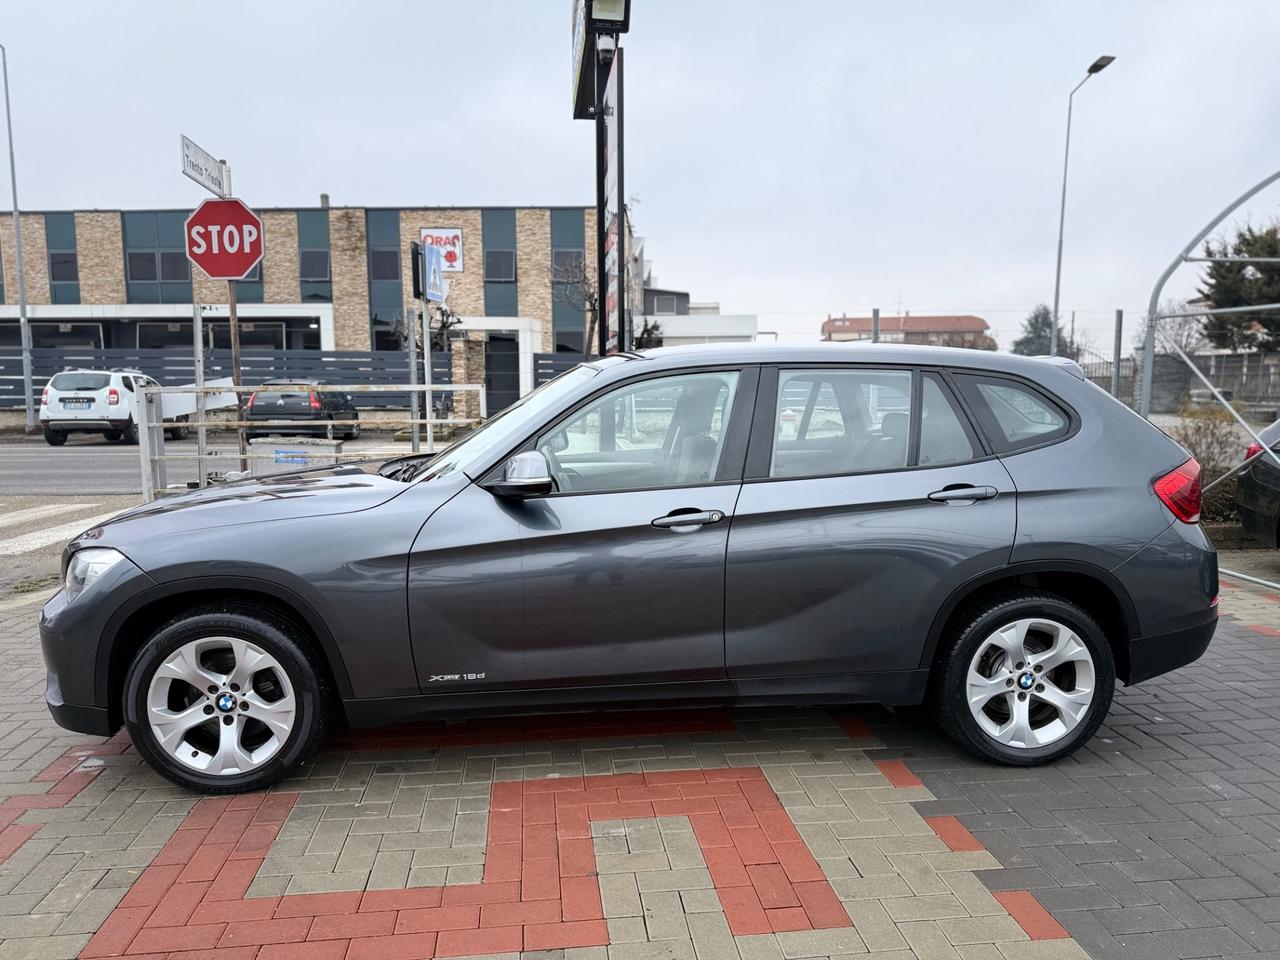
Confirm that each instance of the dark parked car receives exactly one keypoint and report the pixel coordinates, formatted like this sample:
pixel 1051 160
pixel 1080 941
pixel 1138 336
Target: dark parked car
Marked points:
pixel 314 411
pixel 1258 490
pixel 757 524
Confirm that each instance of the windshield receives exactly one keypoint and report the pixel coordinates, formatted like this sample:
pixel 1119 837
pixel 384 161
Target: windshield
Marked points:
pixel 80 381
pixel 481 442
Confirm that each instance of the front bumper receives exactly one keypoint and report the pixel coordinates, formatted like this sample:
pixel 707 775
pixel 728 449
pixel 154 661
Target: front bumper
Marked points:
pixel 76 663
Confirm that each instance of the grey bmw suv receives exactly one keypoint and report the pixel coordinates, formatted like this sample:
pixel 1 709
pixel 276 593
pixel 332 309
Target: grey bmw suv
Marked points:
pixel 753 524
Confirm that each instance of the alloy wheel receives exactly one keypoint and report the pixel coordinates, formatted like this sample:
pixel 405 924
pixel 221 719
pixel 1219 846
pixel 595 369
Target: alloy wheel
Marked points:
pixel 1030 683
pixel 221 705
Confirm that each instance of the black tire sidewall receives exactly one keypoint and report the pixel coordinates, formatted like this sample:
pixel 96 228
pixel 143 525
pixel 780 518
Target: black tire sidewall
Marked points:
pixel 980 625
pixel 307 688
pixel 130 432
pixel 55 438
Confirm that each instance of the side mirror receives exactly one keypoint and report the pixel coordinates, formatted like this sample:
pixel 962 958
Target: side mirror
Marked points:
pixel 525 475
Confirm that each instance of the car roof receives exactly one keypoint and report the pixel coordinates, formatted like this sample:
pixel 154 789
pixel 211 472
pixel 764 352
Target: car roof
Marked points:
pixel 710 354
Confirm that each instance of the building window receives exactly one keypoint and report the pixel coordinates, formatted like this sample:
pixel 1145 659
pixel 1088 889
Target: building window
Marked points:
pixel 568 271
pixel 313 256
pixel 567 266
pixel 64 270
pixel 155 258
pixel 386 297
pixel 664 304
pixel 249 289
pixel 499 266
pixel 498 230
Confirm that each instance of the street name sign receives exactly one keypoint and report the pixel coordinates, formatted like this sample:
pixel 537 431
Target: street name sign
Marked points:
pixel 202 167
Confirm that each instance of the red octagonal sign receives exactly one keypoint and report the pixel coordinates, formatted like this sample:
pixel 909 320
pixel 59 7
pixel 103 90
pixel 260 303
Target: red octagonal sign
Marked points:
pixel 224 239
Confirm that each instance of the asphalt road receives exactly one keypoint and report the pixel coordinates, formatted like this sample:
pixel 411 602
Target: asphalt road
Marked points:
pixel 89 464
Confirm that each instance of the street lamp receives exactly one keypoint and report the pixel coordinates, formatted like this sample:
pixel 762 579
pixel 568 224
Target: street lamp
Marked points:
pixel 1096 67
pixel 25 327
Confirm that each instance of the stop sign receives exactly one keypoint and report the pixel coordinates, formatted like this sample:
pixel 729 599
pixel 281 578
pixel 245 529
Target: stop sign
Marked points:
pixel 224 239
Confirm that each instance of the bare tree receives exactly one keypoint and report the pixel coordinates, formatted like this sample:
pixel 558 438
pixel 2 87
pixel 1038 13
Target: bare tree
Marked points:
pixel 576 288
pixel 1188 333
pixel 649 335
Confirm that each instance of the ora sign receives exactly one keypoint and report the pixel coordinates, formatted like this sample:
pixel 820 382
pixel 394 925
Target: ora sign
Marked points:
pixel 224 239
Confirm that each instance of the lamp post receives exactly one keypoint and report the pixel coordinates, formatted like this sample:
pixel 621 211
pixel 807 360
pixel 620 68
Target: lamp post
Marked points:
pixel 1096 67
pixel 24 325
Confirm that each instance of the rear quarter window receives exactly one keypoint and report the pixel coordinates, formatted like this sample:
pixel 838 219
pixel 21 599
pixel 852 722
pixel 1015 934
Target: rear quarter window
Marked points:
pixel 1014 415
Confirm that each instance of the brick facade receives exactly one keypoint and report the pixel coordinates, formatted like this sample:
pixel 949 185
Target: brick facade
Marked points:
pixel 349 265
pixel 100 256
pixel 280 259
pixel 35 258
pixel 533 268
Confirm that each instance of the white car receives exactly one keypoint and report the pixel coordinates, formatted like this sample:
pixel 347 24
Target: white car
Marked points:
pixel 97 401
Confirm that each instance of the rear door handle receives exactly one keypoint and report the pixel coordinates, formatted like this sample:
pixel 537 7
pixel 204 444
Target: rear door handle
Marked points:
pixel 689 519
pixel 959 492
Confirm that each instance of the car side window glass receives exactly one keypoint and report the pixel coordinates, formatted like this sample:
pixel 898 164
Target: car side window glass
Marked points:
pixel 1013 414
pixel 831 422
pixel 127 383
pixel 943 437
pixel 665 432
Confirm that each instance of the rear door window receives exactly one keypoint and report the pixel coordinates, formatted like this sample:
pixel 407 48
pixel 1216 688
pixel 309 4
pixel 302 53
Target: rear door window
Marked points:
pixel 830 422
pixel 944 436
pixel 1014 415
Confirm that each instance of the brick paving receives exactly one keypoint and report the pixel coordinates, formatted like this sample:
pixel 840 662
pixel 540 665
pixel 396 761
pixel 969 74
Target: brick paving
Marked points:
pixel 750 835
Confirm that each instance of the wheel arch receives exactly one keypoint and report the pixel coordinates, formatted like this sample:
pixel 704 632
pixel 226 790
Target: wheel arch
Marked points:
pixel 130 626
pixel 1093 588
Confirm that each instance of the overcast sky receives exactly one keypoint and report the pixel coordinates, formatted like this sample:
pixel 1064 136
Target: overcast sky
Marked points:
pixel 785 159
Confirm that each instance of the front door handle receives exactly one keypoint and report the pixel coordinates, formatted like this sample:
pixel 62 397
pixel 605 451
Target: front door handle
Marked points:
pixel 699 519
pixel 963 492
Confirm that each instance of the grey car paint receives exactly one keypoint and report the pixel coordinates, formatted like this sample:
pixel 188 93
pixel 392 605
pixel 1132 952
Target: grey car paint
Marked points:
pixel 832 587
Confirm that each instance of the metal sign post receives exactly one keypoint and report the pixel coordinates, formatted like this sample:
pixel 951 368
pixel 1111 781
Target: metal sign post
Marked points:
pixel 433 291
pixel 197 335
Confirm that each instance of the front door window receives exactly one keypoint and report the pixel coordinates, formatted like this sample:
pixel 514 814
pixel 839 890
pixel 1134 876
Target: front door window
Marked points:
pixel 664 432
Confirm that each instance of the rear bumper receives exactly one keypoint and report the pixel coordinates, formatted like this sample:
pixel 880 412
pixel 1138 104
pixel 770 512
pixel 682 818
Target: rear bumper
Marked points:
pixel 74 426
pixel 1151 656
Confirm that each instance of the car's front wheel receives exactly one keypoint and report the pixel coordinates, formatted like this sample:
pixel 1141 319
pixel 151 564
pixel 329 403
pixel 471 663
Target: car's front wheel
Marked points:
pixel 225 699
pixel 1026 679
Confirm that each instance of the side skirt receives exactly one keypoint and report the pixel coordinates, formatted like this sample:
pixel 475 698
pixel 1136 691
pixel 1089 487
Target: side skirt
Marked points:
pixel 890 687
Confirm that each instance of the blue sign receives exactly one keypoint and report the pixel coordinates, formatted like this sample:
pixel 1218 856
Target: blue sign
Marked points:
pixel 432 273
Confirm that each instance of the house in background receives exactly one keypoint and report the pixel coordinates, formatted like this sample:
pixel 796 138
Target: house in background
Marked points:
pixel 958 330
pixel 681 322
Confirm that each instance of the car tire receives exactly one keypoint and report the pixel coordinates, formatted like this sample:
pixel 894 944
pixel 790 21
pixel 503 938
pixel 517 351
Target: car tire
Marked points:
pixel 130 432
pixel 114 436
pixel 1038 671
pixel 180 432
pixel 354 432
pixel 216 647
pixel 54 438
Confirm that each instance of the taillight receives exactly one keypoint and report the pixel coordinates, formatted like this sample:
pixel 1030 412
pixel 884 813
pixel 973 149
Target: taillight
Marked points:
pixel 315 401
pixel 113 397
pixel 1179 490
pixel 44 397
pixel 1253 450
pixel 248 404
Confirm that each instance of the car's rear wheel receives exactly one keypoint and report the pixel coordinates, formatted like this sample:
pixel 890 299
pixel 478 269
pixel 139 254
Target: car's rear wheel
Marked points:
pixel 180 430
pixel 225 699
pixel 1026 679
pixel 54 438
pixel 115 436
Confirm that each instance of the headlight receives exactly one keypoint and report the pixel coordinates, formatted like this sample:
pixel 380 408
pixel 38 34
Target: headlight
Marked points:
pixel 86 566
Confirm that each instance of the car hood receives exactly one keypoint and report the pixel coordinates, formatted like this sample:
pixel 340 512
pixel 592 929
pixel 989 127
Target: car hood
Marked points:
pixel 310 493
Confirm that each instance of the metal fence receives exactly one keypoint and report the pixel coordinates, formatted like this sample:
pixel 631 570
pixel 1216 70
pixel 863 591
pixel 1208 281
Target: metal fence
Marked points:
pixel 176 368
pixel 548 366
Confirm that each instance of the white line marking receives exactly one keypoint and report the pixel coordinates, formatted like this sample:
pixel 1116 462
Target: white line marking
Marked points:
pixel 50 535
pixel 35 513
